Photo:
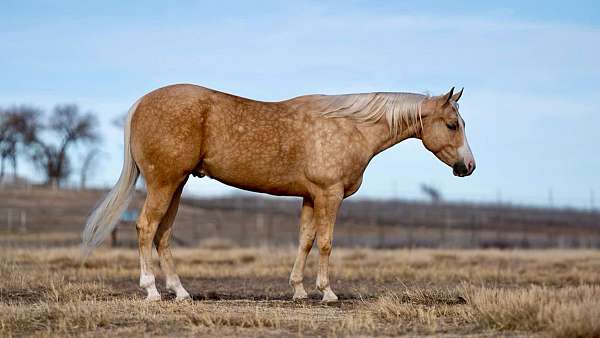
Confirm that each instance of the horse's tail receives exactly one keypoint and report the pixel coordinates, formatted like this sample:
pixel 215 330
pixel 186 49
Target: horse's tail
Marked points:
pixel 106 215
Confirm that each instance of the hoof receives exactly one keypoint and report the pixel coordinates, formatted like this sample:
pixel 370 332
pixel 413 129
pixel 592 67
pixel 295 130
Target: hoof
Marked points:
pixel 183 297
pixel 300 295
pixel 329 296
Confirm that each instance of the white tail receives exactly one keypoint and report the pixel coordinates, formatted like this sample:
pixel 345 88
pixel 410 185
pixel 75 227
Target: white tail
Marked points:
pixel 106 215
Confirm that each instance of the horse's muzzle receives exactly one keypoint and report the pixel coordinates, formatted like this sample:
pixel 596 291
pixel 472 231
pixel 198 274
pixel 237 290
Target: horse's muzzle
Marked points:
pixel 462 169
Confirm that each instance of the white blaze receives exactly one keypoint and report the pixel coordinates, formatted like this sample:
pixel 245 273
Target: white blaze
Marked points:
pixel 464 151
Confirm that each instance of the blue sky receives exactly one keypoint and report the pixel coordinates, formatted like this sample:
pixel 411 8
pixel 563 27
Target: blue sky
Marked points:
pixel 531 76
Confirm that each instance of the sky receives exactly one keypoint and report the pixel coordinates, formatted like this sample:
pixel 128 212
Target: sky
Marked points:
pixel 531 75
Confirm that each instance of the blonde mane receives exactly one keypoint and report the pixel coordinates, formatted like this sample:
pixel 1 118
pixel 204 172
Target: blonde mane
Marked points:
pixel 401 110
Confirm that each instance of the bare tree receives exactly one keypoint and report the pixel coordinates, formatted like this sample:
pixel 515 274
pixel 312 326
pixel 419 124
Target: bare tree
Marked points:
pixel 70 127
pixel 4 141
pixel 19 126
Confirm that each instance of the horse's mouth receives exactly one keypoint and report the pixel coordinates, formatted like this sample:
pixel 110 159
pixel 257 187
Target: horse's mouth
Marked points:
pixel 459 169
pixel 460 174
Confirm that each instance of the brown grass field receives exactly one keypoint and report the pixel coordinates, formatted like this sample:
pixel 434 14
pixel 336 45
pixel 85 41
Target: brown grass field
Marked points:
pixel 244 292
pixel 240 284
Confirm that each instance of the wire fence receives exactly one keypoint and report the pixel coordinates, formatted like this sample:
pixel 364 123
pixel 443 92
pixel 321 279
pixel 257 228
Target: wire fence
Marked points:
pixel 252 220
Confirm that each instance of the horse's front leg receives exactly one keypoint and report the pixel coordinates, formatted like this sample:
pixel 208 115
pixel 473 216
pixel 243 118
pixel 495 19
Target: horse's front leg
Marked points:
pixel 306 238
pixel 326 207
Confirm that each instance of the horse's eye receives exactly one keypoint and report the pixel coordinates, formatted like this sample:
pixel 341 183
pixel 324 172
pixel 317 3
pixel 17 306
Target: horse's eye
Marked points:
pixel 452 126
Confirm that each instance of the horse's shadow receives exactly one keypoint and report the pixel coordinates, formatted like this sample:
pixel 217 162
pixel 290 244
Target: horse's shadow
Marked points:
pixel 313 297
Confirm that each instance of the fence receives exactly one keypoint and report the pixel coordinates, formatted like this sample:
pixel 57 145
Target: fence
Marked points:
pixel 14 219
pixel 253 220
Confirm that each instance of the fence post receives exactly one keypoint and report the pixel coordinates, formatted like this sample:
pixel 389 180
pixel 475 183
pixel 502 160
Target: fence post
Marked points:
pixel 9 218
pixel 23 221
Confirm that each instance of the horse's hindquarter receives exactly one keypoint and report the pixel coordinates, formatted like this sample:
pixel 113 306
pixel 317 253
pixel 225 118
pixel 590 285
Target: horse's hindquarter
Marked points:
pixel 167 131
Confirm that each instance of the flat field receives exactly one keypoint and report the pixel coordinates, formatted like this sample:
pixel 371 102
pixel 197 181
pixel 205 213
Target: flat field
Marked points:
pixel 244 291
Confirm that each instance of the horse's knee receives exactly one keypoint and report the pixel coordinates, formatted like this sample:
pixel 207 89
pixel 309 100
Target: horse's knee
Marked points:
pixel 324 246
pixel 140 225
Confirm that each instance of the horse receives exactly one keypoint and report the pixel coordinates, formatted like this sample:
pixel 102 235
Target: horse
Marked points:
pixel 316 147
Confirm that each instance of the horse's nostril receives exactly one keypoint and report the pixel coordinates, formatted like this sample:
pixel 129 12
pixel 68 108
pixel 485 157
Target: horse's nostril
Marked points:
pixel 471 166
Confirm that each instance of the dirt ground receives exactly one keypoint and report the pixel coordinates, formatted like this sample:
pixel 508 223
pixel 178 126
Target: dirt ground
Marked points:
pixel 244 292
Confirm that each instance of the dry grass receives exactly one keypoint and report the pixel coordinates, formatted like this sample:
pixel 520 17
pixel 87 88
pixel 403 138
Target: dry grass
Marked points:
pixel 244 292
pixel 571 311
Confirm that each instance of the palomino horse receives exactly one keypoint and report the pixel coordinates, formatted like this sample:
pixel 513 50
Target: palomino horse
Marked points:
pixel 315 147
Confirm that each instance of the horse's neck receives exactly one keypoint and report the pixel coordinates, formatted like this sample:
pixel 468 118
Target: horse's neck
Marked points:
pixel 380 138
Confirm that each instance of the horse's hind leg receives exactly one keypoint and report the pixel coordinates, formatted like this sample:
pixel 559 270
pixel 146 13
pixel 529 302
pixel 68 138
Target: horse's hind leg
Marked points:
pixel 162 241
pixel 155 208
pixel 306 236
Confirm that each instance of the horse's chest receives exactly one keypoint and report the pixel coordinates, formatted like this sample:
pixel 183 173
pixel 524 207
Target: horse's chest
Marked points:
pixel 352 186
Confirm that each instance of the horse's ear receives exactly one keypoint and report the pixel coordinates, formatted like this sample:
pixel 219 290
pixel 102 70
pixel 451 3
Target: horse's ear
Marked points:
pixel 445 99
pixel 457 96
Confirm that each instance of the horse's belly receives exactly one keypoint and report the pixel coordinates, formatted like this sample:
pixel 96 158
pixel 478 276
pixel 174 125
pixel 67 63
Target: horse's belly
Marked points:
pixel 270 178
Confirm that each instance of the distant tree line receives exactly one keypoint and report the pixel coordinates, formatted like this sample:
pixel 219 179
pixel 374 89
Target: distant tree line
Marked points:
pixel 47 140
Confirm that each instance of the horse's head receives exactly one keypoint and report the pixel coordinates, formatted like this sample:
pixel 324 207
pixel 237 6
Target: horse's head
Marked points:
pixel 444 135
